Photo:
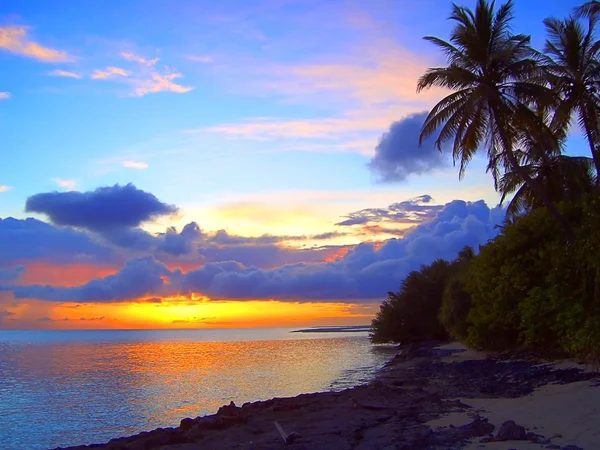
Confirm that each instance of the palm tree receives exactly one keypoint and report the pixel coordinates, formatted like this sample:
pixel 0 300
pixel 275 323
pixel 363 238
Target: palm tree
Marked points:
pixel 563 177
pixel 492 74
pixel 588 9
pixel 571 60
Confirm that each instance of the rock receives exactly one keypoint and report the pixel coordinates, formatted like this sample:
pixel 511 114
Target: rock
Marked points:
pixel 479 427
pixel 230 410
pixel 553 446
pixel 510 431
pixel 571 447
pixel 186 423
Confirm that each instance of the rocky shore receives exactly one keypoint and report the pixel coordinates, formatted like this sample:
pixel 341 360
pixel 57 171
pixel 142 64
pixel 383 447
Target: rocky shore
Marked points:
pixel 405 407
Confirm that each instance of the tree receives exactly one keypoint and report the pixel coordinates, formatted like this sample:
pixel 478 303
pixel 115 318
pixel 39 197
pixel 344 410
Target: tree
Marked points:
pixel 563 178
pixel 588 9
pixel 494 75
pixel 411 314
pixel 571 60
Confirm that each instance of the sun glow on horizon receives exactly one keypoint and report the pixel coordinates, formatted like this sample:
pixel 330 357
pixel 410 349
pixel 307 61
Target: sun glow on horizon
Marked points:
pixel 195 311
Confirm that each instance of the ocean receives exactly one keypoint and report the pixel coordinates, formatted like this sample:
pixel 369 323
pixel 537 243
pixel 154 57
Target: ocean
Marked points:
pixel 61 388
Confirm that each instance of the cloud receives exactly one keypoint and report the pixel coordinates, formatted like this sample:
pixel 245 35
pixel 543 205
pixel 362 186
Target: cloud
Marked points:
pixel 398 154
pixel 32 239
pixel 178 244
pixel 140 277
pixel 414 211
pixel 5 188
pixel 169 242
pixel 4 95
pixel 109 72
pixel 143 77
pixel 103 209
pixel 66 319
pixel 15 40
pixel 11 274
pixel 267 128
pixel 365 272
pixel 139 59
pixel 158 83
pixel 66 184
pixel 135 164
pixel 64 73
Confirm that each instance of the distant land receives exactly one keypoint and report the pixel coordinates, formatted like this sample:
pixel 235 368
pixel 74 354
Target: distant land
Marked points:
pixel 335 329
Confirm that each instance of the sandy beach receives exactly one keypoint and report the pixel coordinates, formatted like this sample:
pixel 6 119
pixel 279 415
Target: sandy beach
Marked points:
pixel 427 397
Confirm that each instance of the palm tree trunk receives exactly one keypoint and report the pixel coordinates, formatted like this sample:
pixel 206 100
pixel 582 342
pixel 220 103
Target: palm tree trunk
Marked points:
pixel 542 195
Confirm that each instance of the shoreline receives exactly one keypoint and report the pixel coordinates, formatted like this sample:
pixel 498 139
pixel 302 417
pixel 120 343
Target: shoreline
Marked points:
pixel 429 396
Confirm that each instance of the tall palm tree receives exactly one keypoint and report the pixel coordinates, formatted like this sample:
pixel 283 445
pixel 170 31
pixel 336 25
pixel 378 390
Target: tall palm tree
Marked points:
pixel 571 59
pixel 492 74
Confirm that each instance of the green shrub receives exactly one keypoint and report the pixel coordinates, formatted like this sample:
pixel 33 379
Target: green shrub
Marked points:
pixel 411 314
pixel 530 289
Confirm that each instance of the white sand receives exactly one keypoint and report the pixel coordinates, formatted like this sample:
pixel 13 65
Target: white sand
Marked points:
pixel 571 410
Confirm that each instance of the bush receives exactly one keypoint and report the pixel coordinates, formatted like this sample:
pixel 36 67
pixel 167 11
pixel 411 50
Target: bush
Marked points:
pixel 530 289
pixel 411 314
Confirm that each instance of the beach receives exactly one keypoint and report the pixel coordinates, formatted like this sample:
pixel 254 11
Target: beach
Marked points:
pixel 429 396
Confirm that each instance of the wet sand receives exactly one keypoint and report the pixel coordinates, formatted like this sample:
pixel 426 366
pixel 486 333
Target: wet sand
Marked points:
pixel 427 397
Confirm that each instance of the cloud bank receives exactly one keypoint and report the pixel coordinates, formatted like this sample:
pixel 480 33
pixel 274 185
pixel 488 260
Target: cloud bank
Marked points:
pixel 364 273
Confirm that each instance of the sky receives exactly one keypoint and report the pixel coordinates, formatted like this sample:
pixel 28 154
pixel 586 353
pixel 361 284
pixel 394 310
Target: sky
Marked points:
pixel 226 164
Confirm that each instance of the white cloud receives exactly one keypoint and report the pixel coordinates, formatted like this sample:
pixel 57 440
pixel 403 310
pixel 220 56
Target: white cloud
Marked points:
pixel 66 184
pixel 109 72
pixel 4 95
pixel 139 59
pixel 4 188
pixel 135 164
pixel 64 73
pixel 158 83
pixel 15 40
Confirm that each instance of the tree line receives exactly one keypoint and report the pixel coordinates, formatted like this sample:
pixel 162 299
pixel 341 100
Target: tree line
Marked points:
pixel 537 285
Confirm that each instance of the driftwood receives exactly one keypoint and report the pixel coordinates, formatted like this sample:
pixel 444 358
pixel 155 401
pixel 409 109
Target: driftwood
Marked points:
pixel 287 438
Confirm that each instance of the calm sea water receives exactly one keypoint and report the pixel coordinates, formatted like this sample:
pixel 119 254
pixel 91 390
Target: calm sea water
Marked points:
pixel 60 388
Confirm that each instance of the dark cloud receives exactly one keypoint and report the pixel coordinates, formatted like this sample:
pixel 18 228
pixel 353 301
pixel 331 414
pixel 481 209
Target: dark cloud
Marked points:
pixel 178 244
pixel 414 211
pixel 170 242
pixel 12 274
pixel 139 278
pixel 66 319
pixel 366 272
pixel 106 208
pixel 398 154
pixel 33 239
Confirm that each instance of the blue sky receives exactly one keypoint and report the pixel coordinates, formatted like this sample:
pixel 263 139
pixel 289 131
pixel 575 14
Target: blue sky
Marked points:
pixel 252 117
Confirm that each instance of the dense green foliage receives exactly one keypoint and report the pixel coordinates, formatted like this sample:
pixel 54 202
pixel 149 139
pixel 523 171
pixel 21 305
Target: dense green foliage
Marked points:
pixel 530 289
pixel 537 285
pixel 411 313
pixel 526 289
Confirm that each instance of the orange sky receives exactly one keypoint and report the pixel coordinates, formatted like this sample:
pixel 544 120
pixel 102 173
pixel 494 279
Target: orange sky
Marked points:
pixel 175 312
